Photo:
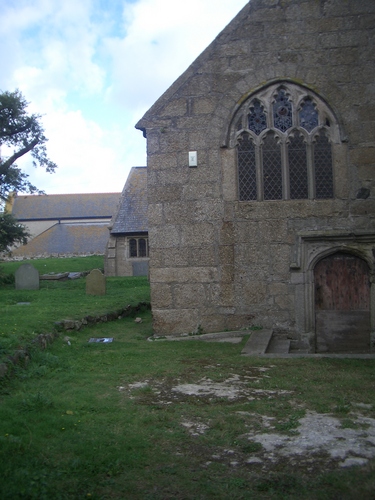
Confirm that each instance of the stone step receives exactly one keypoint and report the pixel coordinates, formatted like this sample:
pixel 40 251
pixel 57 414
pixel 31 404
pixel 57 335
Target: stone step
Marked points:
pixel 278 346
pixel 257 343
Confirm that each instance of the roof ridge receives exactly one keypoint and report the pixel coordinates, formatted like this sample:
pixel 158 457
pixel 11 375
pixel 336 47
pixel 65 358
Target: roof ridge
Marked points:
pixel 64 194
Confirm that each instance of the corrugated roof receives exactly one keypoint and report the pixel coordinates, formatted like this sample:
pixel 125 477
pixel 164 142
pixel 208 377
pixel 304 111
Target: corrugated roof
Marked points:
pixel 131 216
pixel 65 206
pixel 67 239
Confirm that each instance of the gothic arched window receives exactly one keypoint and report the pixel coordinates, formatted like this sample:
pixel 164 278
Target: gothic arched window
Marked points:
pixel 284 145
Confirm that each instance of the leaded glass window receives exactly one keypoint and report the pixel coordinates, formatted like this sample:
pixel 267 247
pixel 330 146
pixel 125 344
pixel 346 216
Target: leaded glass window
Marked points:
pixel 297 167
pixel 142 247
pixel 323 167
pixel 282 111
pixel 133 248
pixel 247 168
pixel 257 118
pixel 308 116
pixel 138 247
pixel 284 145
pixel 272 179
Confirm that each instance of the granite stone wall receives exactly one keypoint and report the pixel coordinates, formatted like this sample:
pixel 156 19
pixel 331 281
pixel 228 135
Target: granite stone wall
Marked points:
pixel 218 263
pixel 117 261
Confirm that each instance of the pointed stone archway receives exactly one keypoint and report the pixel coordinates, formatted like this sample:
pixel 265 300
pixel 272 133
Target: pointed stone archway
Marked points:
pixel 342 304
pixel 354 252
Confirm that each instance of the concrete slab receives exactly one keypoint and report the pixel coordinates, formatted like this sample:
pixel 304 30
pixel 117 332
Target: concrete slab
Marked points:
pixel 233 337
pixel 257 343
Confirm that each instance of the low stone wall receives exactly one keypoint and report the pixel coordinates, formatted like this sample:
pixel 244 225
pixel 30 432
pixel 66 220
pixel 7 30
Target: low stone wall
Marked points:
pixel 6 257
pixel 22 356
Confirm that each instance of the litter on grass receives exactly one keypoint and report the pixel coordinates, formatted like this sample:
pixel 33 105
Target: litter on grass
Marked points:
pixel 102 340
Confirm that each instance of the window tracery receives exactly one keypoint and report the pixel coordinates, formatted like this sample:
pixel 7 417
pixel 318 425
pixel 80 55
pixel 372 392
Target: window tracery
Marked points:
pixel 257 118
pixel 282 111
pixel 284 145
pixel 308 115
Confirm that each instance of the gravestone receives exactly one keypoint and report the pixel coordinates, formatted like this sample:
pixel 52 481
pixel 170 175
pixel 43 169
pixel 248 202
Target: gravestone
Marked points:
pixel 27 277
pixel 95 283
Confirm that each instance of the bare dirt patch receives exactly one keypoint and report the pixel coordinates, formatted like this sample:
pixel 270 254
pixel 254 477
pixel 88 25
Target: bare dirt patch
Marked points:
pixel 321 435
pixel 312 442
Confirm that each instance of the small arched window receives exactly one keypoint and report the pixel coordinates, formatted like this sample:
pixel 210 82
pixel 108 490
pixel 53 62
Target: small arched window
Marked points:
pixel 138 247
pixel 284 145
pixel 133 248
pixel 142 247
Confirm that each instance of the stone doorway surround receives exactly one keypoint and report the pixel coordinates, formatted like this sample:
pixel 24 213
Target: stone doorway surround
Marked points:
pixel 309 249
pixel 342 304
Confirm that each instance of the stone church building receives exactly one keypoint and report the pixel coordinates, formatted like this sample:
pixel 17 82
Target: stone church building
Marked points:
pixel 126 253
pixel 261 179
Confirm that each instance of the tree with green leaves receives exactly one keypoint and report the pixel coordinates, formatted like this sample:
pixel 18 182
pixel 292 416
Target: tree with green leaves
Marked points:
pixel 22 133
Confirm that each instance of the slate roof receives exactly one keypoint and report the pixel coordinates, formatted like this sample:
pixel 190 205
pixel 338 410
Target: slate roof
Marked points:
pixel 131 216
pixel 67 239
pixel 65 206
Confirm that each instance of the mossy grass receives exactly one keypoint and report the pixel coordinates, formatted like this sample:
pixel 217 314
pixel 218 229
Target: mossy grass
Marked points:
pixel 92 420
pixel 26 313
pixel 56 264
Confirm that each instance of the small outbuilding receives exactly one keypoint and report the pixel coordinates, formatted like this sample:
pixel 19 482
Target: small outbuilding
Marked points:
pixel 127 251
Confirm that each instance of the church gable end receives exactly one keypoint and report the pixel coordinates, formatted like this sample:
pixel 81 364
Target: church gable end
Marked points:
pixel 278 113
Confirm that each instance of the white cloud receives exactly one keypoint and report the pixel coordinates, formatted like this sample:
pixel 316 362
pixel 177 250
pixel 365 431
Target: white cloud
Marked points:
pixel 163 38
pixel 89 158
pixel 93 68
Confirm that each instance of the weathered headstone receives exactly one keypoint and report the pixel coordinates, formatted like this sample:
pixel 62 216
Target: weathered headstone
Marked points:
pixel 95 283
pixel 27 277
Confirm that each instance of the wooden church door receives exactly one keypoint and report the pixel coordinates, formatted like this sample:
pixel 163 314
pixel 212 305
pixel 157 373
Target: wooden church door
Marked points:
pixel 342 304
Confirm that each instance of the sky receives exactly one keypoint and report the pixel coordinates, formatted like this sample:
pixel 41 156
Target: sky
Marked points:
pixel 92 68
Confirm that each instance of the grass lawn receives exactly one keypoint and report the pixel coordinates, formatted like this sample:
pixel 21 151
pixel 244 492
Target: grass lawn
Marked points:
pixel 122 421
pixel 59 300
